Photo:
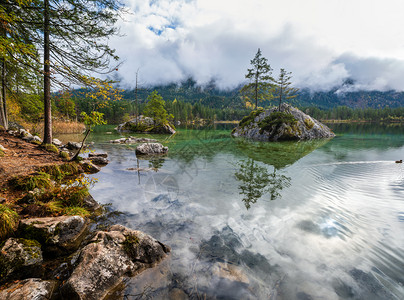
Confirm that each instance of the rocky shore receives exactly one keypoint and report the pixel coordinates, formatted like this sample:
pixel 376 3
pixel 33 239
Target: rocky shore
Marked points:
pixel 46 250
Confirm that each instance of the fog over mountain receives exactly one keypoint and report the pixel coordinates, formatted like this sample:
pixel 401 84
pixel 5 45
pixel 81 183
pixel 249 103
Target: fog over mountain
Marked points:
pixel 323 43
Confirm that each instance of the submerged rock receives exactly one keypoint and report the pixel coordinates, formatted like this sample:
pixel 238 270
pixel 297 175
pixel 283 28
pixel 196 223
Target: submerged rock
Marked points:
pixel 29 289
pixel 151 149
pixel 109 257
pixel 58 235
pixel 288 124
pixel 20 257
pixel 145 125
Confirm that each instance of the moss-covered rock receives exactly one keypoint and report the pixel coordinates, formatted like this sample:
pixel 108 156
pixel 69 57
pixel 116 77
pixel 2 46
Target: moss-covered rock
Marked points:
pixel 20 257
pixel 146 125
pixel 57 235
pixel 288 123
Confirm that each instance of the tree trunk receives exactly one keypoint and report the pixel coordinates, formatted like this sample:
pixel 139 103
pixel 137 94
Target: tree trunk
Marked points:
pixel 82 145
pixel 137 104
pixel 256 90
pixel 47 80
pixel 280 98
pixel 3 103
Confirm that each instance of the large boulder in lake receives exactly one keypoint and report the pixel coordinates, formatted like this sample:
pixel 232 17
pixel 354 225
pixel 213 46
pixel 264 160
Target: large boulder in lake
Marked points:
pixel 143 124
pixel 110 256
pixel 151 149
pixel 287 124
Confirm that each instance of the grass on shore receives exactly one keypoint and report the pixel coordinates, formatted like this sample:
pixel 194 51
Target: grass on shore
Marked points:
pixel 58 127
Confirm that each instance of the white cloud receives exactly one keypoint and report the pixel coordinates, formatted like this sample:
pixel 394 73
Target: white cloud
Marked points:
pixel 171 40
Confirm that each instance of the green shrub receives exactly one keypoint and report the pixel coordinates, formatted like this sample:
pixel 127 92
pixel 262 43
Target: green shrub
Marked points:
pixel 28 183
pixel 64 155
pixel 250 118
pixel 76 211
pixel 8 221
pixel 276 118
pixel 54 171
pixel 130 245
pixel 309 123
pixel 50 148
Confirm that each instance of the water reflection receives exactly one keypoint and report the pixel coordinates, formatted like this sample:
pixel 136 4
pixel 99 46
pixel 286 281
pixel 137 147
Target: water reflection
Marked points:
pixel 255 181
pixel 278 154
pixel 336 234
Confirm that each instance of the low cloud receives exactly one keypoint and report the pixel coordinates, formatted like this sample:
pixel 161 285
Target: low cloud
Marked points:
pixel 169 41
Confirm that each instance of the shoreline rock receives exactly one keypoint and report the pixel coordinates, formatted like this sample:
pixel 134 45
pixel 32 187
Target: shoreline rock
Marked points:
pixel 289 124
pixel 110 256
pixel 29 289
pixel 57 235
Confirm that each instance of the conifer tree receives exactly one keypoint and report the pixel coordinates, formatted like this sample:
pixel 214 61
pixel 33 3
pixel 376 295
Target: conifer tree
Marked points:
pixel 155 108
pixel 282 87
pixel 73 37
pixel 259 88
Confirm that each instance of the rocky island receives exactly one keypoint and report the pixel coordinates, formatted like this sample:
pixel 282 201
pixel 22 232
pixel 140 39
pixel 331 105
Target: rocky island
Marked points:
pixel 143 124
pixel 286 123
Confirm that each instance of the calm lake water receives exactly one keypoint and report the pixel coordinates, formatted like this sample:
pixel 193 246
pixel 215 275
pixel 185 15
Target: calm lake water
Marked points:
pixel 256 220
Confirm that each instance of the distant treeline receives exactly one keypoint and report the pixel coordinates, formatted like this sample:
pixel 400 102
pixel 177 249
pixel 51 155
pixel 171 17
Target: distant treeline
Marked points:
pixel 386 114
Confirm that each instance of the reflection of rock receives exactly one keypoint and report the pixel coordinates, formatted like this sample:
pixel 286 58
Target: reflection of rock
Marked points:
pixel 223 246
pixel 289 124
pixel 370 286
pixel 230 272
pixel 278 155
pixel 108 257
pixel 151 149
pixel 29 289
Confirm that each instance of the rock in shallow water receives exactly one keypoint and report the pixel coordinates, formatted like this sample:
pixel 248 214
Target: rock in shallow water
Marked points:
pixel 151 149
pixel 108 257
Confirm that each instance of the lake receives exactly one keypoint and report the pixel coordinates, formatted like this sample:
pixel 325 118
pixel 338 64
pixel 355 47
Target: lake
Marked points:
pixel 255 220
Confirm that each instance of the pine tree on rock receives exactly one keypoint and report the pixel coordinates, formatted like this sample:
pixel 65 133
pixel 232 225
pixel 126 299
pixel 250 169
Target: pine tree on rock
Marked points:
pixel 282 87
pixel 259 88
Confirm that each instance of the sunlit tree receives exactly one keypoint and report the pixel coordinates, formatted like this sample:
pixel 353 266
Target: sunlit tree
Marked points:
pixel 259 87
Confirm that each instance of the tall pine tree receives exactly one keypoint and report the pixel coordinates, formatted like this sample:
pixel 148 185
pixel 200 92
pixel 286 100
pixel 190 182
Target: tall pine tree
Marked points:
pixel 259 88
pixel 72 35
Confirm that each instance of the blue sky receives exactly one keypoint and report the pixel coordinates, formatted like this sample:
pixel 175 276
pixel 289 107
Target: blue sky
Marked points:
pixel 322 42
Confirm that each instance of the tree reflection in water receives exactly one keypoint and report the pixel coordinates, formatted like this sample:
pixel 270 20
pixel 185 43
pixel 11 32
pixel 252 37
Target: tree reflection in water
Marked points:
pixel 255 181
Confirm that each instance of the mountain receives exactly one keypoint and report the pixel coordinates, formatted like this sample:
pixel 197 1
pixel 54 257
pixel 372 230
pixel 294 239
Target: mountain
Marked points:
pixel 211 96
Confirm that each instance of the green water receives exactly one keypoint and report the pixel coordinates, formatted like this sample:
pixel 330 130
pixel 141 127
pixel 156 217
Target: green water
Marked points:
pixel 255 220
